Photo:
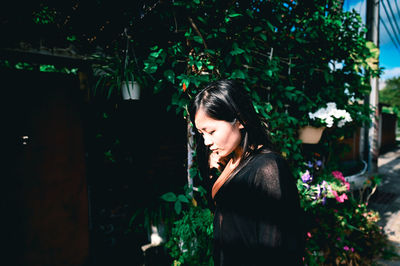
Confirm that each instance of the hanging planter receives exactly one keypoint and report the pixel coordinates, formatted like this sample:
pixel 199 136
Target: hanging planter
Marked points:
pixel 130 90
pixel 310 134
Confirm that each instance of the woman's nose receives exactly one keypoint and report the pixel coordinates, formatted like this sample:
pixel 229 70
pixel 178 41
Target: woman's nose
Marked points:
pixel 207 140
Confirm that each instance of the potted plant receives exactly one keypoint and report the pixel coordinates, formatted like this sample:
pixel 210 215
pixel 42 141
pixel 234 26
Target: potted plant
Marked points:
pixel 328 116
pixel 120 73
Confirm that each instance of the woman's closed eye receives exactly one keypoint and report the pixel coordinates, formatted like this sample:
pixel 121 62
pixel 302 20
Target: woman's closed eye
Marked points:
pixel 205 132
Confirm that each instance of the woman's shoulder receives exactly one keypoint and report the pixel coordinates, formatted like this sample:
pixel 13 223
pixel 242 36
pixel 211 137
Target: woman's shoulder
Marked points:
pixel 266 156
pixel 269 163
pixel 270 172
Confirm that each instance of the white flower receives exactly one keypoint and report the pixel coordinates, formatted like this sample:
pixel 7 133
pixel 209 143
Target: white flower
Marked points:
pixel 330 113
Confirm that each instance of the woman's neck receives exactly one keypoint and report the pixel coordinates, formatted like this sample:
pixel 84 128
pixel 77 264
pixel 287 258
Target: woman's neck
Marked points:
pixel 236 155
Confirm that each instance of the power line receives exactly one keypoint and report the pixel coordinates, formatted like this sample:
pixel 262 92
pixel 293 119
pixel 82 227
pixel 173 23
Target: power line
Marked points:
pixel 390 21
pixel 394 17
pixel 397 7
pixel 387 30
pixel 391 17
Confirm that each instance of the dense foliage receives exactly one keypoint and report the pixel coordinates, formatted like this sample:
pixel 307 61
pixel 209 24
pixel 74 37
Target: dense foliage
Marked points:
pixel 293 58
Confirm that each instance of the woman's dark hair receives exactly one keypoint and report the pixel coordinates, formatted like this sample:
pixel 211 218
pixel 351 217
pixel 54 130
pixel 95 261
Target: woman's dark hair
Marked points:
pixel 227 100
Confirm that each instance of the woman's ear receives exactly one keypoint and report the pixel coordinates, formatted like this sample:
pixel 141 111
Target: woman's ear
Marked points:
pixel 240 126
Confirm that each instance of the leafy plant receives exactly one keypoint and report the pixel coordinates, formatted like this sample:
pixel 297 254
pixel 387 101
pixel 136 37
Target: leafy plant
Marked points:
pixel 342 229
pixel 291 56
pixel 390 95
pixel 119 67
pixel 191 240
pixel 178 200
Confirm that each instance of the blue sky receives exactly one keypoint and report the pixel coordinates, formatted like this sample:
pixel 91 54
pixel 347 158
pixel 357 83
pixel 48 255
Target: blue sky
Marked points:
pixel 389 54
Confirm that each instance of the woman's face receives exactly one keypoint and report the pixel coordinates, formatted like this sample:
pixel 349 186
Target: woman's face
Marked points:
pixel 220 136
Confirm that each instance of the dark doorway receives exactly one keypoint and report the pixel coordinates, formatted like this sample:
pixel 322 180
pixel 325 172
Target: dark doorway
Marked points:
pixel 45 207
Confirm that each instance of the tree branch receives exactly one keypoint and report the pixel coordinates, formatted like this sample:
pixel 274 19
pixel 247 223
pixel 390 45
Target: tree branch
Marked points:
pixel 197 31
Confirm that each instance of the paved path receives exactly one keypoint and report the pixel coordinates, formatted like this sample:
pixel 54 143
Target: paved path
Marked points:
pixel 387 198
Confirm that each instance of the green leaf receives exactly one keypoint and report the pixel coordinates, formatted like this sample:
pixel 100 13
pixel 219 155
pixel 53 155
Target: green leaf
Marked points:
pixel 170 75
pixel 195 81
pixel 255 96
pixel 210 51
pixel 328 77
pixel 199 65
pixel 156 54
pixel 269 107
pixel 199 17
pixel 236 50
pixel 238 74
pixel 257 29
pixel 188 33
pixel 202 190
pixel 248 58
pixel 198 39
pixel 169 196
pixel 133 218
pixel 290 88
pixel 228 60
pixel 234 15
pixel 158 86
pixel 182 198
pixel 150 67
pixel 270 26
pixel 178 207
pixel 193 171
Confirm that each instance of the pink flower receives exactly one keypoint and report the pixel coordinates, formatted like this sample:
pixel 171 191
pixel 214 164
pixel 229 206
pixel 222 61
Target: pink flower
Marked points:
pixel 309 234
pixel 346 248
pixel 340 198
pixel 352 249
pixel 338 175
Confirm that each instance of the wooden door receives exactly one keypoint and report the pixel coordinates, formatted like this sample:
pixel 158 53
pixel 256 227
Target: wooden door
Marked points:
pixel 45 206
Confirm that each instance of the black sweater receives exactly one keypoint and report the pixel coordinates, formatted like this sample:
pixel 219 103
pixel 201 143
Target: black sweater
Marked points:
pixel 258 219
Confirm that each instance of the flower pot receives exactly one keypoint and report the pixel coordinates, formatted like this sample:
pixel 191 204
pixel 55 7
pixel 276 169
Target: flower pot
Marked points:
pixel 310 134
pixel 354 172
pixel 130 91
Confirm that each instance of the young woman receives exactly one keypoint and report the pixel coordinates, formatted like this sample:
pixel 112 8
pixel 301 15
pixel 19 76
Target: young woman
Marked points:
pixel 257 216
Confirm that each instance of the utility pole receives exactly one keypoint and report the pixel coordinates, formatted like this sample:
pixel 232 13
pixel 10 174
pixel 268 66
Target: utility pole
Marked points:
pixel 371 133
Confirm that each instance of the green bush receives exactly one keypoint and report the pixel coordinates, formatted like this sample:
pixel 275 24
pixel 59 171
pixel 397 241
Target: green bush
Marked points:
pixel 190 242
